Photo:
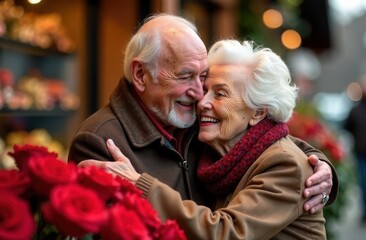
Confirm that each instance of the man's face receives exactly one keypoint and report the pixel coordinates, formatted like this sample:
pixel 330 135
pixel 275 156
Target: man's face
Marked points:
pixel 172 97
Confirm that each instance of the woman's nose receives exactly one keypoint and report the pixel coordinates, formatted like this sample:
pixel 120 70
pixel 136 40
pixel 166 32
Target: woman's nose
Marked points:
pixel 204 103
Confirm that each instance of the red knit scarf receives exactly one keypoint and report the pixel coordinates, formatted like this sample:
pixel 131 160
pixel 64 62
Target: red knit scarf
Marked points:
pixel 223 175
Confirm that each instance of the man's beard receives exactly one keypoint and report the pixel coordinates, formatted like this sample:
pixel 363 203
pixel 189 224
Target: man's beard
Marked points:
pixel 173 118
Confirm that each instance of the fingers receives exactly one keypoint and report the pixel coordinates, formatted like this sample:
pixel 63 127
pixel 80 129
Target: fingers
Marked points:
pixel 122 169
pixel 91 162
pixel 318 184
pixel 117 168
pixel 118 156
pixel 314 160
pixel 322 172
pixel 318 189
pixel 314 204
pixel 115 151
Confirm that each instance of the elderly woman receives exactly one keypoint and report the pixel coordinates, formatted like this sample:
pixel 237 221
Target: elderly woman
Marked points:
pixel 255 171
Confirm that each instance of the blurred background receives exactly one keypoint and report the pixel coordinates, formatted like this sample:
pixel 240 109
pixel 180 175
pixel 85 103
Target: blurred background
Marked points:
pixel 61 59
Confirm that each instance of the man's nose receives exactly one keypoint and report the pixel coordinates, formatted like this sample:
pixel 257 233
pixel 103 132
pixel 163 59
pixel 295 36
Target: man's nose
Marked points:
pixel 196 89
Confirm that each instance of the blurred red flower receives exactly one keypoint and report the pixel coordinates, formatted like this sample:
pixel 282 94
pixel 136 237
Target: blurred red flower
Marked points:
pixel 98 180
pixel 16 220
pixel 22 153
pixel 124 223
pixel 48 172
pixel 170 230
pixel 75 210
pixel 145 212
pixel 14 182
pixel 65 201
pixel 312 130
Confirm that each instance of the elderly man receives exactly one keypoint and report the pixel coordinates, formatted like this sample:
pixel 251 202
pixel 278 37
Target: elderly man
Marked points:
pixel 151 114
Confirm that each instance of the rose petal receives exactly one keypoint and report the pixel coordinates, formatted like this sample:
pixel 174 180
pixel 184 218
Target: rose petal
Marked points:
pixel 99 180
pixel 16 220
pixel 75 210
pixel 124 224
pixel 22 154
pixel 14 181
pixel 46 173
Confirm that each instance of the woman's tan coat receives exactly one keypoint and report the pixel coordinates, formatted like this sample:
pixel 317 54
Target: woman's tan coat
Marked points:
pixel 267 203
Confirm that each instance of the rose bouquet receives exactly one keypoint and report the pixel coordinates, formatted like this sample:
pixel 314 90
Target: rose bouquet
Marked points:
pixel 48 198
pixel 312 129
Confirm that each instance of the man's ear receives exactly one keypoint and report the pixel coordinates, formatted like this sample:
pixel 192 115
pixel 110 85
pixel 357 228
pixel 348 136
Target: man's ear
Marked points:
pixel 138 71
pixel 258 116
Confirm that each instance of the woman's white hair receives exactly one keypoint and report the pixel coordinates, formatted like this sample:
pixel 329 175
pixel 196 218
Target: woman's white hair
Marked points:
pixel 147 45
pixel 268 82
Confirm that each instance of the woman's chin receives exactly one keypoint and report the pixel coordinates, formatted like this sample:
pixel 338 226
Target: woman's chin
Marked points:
pixel 206 138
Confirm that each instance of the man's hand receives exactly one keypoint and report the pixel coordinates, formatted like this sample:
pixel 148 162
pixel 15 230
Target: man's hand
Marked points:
pixel 121 166
pixel 92 162
pixel 318 185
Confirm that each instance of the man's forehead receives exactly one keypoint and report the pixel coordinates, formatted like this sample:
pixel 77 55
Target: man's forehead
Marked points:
pixel 165 25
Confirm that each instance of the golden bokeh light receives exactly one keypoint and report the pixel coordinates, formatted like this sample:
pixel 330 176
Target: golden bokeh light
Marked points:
pixel 291 39
pixel 272 18
pixel 34 1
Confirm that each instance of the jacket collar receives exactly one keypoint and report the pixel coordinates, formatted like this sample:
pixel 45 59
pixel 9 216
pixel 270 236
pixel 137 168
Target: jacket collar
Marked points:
pixel 137 125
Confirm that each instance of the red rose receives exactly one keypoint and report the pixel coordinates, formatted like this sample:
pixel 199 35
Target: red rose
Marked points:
pixel 75 210
pixel 124 224
pixel 16 221
pixel 14 182
pixel 127 187
pixel 23 153
pixel 99 180
pixel 144 210
pixel 171 231
pixel 47 172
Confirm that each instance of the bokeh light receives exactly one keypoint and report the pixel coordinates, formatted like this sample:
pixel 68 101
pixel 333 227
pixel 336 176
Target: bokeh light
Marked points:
pixel 291 39
pixel 354 91
pixel 272 19
pixel 34 1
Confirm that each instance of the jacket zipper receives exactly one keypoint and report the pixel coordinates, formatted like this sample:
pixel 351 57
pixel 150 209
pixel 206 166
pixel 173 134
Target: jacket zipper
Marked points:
pixel 185 168
pixel 183 164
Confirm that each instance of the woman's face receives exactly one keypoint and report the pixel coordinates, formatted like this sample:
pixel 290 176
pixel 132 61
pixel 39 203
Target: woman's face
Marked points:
pixel 223 114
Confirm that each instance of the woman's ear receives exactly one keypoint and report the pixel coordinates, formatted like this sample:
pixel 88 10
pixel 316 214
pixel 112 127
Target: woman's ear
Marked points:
pixel 258 116
pixel 138 71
